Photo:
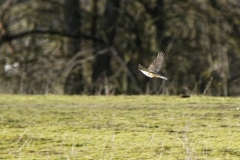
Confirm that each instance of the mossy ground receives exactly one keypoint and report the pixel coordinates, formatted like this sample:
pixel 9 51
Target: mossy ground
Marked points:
pixel 119 127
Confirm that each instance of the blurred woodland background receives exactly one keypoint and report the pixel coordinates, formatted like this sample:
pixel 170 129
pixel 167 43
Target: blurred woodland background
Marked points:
pixel 94 46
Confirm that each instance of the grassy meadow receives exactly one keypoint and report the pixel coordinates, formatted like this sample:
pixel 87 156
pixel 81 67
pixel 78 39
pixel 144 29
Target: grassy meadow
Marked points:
pixel 119 127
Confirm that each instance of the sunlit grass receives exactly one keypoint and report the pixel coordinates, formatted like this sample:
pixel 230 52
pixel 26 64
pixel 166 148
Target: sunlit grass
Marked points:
pixel 119 127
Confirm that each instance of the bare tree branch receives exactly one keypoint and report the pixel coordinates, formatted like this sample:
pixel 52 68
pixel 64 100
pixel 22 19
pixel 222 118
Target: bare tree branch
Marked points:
pixel 7 37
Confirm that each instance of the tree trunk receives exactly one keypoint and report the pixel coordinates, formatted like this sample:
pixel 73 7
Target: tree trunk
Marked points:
pixel 72 26
pixel 101 67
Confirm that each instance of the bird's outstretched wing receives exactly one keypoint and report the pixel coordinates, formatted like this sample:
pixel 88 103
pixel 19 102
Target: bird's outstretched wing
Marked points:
pixel 156 65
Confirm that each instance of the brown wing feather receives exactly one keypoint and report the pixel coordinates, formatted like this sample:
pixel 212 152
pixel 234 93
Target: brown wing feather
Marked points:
pixel 156 65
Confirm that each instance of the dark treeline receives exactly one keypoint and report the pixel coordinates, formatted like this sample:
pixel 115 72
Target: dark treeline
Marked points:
pixel 94 47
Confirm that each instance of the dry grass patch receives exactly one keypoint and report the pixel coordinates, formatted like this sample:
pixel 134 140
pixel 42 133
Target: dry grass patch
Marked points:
pixel 119 127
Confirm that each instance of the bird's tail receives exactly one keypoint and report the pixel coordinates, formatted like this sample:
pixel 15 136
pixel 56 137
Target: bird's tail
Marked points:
pixel 165 78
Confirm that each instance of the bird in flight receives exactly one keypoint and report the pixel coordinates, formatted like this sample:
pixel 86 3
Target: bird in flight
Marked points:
pixel 154 67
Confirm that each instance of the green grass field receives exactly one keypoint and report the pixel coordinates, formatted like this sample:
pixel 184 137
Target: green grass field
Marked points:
pixel 119 127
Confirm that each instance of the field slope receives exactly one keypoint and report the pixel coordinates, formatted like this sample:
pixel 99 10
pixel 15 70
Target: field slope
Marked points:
pixel 119 127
